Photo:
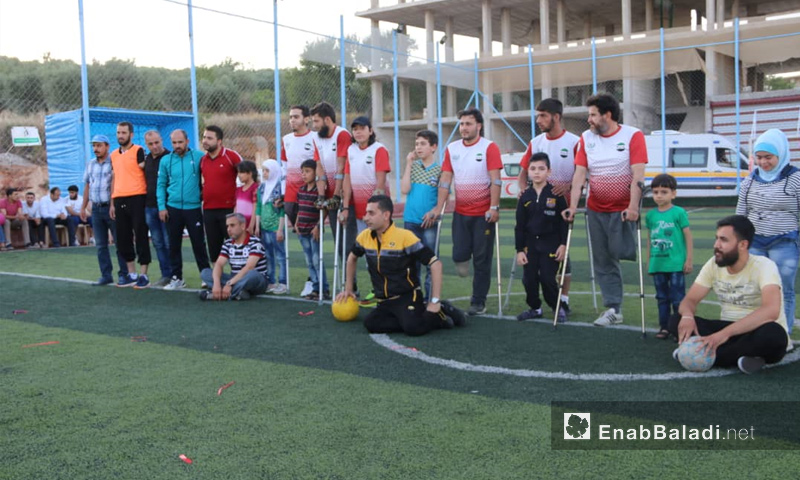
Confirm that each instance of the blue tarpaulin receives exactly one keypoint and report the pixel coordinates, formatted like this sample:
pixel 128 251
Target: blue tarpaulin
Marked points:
pixel 67 152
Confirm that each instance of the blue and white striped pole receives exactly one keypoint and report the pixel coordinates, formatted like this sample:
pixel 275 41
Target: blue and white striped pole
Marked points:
pixel 87 141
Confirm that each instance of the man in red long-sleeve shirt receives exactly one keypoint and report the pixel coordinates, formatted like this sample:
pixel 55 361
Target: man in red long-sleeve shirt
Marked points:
pixel 218 169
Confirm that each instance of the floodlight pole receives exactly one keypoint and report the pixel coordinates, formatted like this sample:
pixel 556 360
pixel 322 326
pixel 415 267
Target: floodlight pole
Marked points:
pixel 84 89
pixel 663 109
pixel 277 82
pixel 342 78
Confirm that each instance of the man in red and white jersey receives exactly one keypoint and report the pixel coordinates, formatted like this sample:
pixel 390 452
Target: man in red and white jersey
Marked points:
pixel 560 145
pixel 614 156
pixel 296 147
pixel 331 154
pixel 218 168
pixel 473 165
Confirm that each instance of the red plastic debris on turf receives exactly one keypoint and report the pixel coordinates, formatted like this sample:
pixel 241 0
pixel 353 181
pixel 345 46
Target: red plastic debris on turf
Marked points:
pixel 219 392
pixel 19 312
pixel 305 314
pixel 138 339
pixel 40 344
pixel 185 459
pixel 399 347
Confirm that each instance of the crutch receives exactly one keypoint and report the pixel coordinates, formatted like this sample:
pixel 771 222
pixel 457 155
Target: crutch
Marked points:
pixel 439 228
pixel 642 190
pixel 336 256
pixel 499 273
pixel 563 272
pixel 286 249
pixel 510 280
pixel 344 250
pixel 591 257
pixel 321 273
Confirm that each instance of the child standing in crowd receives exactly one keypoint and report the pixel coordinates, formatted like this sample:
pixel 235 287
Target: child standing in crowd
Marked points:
pixel 670 249
pixel 540 237
pixel 269 225
pixel 246 194
pixel 308 226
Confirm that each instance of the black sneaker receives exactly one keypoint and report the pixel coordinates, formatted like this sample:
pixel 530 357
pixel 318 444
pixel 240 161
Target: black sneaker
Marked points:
pixel 750 365
pixel 458 317
pixel 565 306
pixel 102 282
pixel 530 314
pixel 204 295
pixel 476 309
pixel 243 295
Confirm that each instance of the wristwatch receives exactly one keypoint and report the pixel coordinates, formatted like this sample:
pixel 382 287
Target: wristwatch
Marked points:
pixel 434 300
pixel 495 207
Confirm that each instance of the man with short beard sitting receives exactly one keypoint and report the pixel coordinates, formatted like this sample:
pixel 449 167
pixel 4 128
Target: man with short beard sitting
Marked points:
pixel 752 330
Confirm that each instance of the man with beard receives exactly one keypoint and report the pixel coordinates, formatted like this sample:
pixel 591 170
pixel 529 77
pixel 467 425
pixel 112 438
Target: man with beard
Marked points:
pixel 158 229
pixel 614 156
pixel 560 147
pixel 473 165
pixel 752 330
pixel 128 193
pixel 219 170
pixel 296 148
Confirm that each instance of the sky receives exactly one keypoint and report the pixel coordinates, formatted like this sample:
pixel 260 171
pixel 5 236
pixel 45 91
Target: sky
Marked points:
pixel 155 32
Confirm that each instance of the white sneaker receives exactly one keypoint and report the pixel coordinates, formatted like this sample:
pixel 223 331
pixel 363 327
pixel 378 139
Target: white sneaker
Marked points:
pixel 175 284
pixel 279 289
pixel 609 317
pixel 307 289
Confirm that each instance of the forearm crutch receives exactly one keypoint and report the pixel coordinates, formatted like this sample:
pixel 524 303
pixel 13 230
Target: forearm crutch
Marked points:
pixel 336 256
pixel 499 273
pixel 321 272
pixel 286 249
pixel 510 280
pixel 563 272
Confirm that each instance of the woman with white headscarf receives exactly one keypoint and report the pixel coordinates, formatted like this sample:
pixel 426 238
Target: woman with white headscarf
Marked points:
pixel 269 224
pixel 769 198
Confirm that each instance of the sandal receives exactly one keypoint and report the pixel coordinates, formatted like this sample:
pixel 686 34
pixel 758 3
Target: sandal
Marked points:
pixel 662 334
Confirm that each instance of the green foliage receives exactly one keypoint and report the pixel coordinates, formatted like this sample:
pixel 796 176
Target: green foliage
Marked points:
pixel 778 83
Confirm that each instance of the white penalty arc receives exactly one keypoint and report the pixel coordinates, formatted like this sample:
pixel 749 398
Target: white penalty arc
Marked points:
pixel 411 352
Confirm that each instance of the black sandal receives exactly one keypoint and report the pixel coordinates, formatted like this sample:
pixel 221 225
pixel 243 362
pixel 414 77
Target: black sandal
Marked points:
pixel 662 334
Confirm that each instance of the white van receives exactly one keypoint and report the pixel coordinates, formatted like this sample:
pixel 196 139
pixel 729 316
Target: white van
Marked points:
pixel 703 164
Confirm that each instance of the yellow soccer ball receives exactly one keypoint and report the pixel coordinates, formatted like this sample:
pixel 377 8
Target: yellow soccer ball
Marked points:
pixel 345 311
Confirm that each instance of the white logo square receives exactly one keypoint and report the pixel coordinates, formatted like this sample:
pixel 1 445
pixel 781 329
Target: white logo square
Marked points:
pixel 577 426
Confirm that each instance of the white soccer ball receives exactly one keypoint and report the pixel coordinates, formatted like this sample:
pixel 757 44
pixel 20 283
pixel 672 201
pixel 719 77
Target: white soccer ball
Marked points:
pixel 693 357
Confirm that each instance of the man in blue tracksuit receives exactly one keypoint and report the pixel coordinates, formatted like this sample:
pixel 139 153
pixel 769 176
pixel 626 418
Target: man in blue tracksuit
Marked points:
pixel 178 194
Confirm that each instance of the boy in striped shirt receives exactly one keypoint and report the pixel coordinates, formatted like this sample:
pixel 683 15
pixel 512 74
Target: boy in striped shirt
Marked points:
pixel 307 227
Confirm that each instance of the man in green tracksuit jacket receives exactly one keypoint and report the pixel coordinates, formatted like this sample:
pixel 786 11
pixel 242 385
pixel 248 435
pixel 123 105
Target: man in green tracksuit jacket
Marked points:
pixel 179 197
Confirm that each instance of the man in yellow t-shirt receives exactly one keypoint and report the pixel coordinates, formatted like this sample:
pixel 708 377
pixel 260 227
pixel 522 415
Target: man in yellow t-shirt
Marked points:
pixel 752 330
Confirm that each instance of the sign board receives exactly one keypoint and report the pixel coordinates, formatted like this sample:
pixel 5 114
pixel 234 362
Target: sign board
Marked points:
pixel 25 137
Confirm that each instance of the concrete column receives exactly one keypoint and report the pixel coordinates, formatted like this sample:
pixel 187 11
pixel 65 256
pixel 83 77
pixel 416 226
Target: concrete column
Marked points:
pixel 560 28
pixel 486 30
pixel 711 61
pixel 587 26
pixel 720 16
pixel 430 86
pixel 544 35
pixel 404 101
pixel 710 14
pixel 648 15
pixel 626 18
pixel 505 34
pixel 735 9
pixel 449 57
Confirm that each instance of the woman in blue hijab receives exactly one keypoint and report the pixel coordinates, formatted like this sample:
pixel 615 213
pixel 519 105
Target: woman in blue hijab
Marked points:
pixel 769 198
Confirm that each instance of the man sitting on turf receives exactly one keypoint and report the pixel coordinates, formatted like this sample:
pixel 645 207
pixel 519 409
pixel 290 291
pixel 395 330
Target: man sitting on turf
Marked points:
pixel 753 328
pixel 392 255
pixel 245 253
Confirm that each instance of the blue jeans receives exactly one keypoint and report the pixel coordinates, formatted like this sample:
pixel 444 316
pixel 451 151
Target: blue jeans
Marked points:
pixel 160 237
pixel 253 282
pixel 101 224
pixel 428 238
pixel 783 250
pixel 670 290
pixel 274 251
pixel 311 252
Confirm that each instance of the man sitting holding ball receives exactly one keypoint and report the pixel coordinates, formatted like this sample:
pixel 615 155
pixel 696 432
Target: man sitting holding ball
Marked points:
pixel 392 255
pixel 753 328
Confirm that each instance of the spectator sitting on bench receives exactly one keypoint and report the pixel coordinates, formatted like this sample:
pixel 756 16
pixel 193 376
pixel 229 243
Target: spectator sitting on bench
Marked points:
pixel 54 212
pixel 30 207
pixel 73 205
pixel 11 208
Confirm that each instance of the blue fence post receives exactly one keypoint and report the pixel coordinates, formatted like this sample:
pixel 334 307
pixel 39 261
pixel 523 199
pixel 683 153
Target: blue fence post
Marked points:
pixel 342 79
pixel 738 100
pixel 663 108
pixel 193 75
pixel 277 82
pixel 530 88
pixel 396 109
pixel 477 84
pixel 439 149
pixel 594 67
pixel 84 90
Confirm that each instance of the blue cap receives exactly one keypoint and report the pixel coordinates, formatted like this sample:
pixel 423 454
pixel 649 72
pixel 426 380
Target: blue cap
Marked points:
pixel 100 139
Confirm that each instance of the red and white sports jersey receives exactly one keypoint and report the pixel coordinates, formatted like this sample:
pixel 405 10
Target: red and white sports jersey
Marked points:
pixel 608 159
pixel 296 149
pixel 470 165
pixel 328 149
pixel 561 151
pixel 361 165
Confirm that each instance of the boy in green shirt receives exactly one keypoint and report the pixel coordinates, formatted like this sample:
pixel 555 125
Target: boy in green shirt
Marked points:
pixel 269 225
pixel 670 249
